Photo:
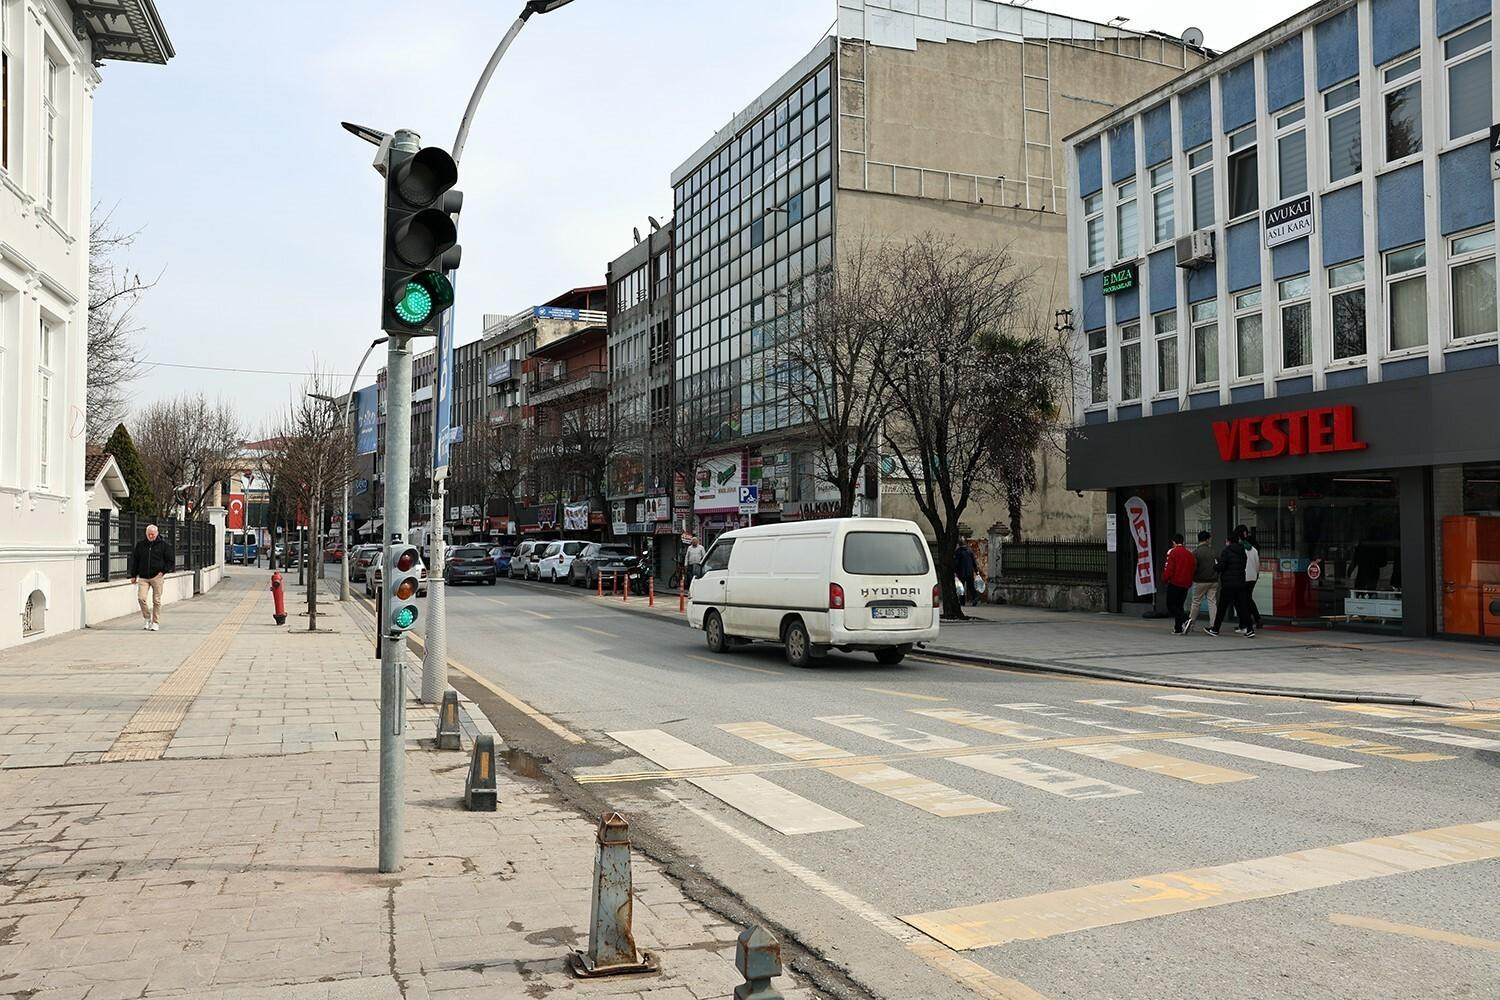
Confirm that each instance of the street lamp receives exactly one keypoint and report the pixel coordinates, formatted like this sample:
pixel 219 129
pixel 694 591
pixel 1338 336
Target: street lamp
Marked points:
pixel 344 514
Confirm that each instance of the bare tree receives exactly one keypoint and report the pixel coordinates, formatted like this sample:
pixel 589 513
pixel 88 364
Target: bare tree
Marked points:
pixel 973 379
pixel 827 364
pixel 503 453
pixel 587 446
pixel 188 447
pixel 696 433
pixel 114 359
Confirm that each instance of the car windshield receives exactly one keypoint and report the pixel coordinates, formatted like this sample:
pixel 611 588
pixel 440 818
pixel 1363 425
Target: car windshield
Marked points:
pixel 884 553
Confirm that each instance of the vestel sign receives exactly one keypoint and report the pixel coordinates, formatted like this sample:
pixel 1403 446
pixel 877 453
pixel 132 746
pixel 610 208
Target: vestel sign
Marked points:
pixel 1305 432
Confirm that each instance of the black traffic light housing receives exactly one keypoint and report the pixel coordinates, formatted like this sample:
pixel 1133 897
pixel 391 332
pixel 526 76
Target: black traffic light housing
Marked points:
pixel 421 240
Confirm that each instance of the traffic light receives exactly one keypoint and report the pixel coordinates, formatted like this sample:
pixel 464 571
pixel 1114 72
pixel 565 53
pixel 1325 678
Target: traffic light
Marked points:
pixel 404 583
pixel 421 240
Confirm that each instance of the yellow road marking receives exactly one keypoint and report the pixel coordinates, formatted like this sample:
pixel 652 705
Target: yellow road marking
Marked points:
pixel 1160 763
pixel 901 736
pixel 597 631
pixel 1165 712
pixel 783 741
pixel 906 694
pixel 1053 780
pixel 1032 918
pixel 986 723
pixel 1356 745
pixel 1410 930
pixel 725 662
pixel 1389 712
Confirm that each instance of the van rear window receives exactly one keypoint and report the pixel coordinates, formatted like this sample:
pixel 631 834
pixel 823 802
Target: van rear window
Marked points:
pixel 884 553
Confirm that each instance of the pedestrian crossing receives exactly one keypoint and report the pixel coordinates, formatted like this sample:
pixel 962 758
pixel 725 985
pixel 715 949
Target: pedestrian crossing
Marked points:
pixel 1028 758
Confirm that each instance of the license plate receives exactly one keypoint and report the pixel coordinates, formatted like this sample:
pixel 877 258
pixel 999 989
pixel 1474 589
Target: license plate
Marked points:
pixel 890 612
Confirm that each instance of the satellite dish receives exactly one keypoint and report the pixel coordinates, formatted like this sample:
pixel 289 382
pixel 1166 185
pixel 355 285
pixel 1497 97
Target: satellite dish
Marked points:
pixel 636 232
pixel 1194 37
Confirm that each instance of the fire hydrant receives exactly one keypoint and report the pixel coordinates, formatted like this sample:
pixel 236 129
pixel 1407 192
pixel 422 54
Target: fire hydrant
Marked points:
pixel 279 597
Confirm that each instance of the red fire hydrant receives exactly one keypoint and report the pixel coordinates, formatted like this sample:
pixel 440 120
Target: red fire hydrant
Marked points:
pixel 279 596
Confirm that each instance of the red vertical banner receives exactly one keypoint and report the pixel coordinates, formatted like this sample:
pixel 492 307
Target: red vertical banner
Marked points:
pixel 236 520
pixel 1139 519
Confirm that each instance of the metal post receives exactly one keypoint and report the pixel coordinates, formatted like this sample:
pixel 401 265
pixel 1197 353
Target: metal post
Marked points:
pixel 435 647
pixel 393 650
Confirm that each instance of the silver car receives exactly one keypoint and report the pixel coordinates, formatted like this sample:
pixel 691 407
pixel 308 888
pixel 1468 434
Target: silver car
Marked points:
pixel 375 578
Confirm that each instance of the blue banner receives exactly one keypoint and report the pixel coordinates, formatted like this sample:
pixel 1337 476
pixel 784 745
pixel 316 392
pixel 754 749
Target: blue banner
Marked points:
pixel 443 407
pixel 366 420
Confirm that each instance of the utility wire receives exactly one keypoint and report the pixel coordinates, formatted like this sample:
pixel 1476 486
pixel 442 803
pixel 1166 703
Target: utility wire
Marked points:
pixel 240 371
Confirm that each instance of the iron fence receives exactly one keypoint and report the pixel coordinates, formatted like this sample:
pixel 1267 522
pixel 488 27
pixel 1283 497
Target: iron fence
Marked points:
pixel 113 536
pixel 1076 560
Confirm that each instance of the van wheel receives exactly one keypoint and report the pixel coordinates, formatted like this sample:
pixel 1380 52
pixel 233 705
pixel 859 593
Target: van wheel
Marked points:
pixel 713 631
pixel 893 655
pixel 799 647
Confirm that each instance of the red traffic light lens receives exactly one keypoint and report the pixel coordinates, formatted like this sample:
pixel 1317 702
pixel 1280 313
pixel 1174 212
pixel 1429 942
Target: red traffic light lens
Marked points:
pixel 406 560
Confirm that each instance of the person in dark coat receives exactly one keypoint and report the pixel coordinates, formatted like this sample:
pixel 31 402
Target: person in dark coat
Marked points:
pixel 150 562
pixel 1233 588
pixel 965 566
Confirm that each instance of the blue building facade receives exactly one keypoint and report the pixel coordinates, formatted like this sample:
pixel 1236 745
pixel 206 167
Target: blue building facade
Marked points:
pixel 1284 310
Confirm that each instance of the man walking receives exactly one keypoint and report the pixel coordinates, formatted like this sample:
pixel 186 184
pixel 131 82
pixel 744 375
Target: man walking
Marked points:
pixel 1232 589
pixel 1181 567
pixel 965 566
pixel 1252 573
pixel 150 563
pixel 1205 580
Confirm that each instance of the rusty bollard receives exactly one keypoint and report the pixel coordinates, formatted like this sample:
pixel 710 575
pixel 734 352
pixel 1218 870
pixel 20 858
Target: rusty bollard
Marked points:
pixel 611 941
pixel 758 957
pixel 449 731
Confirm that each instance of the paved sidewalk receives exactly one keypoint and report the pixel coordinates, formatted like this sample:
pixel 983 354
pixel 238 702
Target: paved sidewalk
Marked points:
pixel 229 852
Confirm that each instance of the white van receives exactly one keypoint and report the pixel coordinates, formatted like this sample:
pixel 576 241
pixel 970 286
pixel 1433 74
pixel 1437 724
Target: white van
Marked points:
pixel 850 583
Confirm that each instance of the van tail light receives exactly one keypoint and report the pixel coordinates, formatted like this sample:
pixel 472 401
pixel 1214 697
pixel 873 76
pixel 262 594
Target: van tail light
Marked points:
pixel 937 596
pixel 835 597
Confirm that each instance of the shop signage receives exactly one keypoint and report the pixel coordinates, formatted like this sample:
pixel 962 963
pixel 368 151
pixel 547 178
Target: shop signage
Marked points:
pixel 554 312
pixel 619 528
pixel 1288 221
pixel 656 509
pixel 576 517
pixel 1321 431
pixel 718 485
pixel 1121 279
pixel 808 510
pixel 498 373
pixel 1495 152
pixel 1111 533
pixel 1140 530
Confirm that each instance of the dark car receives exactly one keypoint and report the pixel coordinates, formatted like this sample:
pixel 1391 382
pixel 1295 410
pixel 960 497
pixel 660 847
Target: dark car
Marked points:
pixel 469 564
pixel 600 558
pixel 500 556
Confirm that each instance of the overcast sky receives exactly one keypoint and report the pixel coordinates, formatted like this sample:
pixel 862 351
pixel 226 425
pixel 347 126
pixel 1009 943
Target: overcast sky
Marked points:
pixel 264 216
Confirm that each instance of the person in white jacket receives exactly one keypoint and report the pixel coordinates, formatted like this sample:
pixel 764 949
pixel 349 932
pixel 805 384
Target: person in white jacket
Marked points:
pixel 1252 573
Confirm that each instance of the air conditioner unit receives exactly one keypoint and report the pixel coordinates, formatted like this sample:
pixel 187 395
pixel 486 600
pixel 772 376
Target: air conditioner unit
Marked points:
pixel 1195 249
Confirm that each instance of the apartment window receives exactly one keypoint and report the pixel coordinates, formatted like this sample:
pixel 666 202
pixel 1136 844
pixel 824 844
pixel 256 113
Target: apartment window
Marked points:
pixel 1471 268
pixel 1346 284
pixel 1249 350
pixel 1466 67
pixel 1164 327
pixel 1098 367
pixel 5 14
pixel 50 166
pixel 1406 295
pixel 1201 183
pixel 1206 343
pixel 1291 153
pixel 1093 224
pixel 1402 97
pixel 1130 362
pixel 44 404
pixel 1127 224
pixel 1293 294
pixel 1244 174
pixel 1163 211
pixel 1341 111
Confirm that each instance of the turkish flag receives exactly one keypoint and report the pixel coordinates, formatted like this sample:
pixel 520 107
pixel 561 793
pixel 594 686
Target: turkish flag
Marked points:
pixel 236 512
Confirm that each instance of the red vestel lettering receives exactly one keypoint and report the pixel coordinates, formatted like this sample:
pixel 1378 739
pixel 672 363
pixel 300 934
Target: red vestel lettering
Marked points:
pixel 1226 433
pixel 1275 435
pixel 1320 431
pixel 1316 432
pixel 1297 431
pixel 1343 430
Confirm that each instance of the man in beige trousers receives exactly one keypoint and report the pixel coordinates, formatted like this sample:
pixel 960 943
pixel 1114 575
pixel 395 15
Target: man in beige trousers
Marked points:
pixel 150 563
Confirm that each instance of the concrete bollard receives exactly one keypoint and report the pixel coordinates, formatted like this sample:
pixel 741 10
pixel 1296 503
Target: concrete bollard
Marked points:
pixel 611 941
pixel 480 794
pixel 449 732
pixel 758 957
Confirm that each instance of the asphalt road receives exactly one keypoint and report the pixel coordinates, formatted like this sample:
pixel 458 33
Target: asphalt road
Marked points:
pixel 944 830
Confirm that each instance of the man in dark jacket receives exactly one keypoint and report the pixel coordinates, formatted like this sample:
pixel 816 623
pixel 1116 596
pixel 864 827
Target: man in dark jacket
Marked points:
pixel 150 563
pixel 965 566
pixel 1233 589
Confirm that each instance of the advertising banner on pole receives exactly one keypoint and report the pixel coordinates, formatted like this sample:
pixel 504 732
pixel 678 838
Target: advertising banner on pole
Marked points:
pixel 442 412
pixel 718 486
pixel 366 420
pixel 1140 530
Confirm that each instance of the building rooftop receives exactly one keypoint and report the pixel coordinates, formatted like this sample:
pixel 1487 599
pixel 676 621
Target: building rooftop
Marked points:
pixel 124 30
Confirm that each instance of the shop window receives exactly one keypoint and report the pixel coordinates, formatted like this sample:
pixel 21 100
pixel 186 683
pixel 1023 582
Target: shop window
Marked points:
pixel 1341 113
pixel 1466 69
pixel 1291 153
pixel 1093 227
pixel 1127 224
pixel 1164 326
pixel 1346 284
pixel 1130 362
pixel 1244 174
pixel 1402 100
pixel 1406 295
pixel 1163 210
pixel 1201 183
pixel 1471 269
pixel 1296 322
pixel 1249 352
pixel 1098 367
pixel 1206 343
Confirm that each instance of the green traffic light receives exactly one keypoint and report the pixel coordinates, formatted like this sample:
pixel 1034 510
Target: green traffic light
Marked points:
pixel 415 305
pixel 405 617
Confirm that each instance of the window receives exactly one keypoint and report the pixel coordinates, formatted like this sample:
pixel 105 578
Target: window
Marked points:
pixel 50 166
pixel 1466 66
pixel 44 404
pixel 1165 328
pixel 5 14
pixel 1098 367
pixel 1296 322
pixel 884 553
pixel 1249 350
pixel 1403 110
pixel 1471 263
pixel 1093 223
pixel 1291 153
pixel 1406 293
pixel 1163 211
pixel 1201 180
pixel 1127 223
pixel 1347 286
pixel 718 556
pixel 1206 343
pixel 1341 109
pixel 1130 362
pixel 1244 174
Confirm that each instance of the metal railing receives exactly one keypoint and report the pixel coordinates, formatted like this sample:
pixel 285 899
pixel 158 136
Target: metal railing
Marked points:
pixel 552 385
pixel 1059 559
pixel 113 536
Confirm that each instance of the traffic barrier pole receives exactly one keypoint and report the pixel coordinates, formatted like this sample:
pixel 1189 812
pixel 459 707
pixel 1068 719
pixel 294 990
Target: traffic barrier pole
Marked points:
pixel 600 581
pixel 650 591
pixel 625 590
pixel 681 601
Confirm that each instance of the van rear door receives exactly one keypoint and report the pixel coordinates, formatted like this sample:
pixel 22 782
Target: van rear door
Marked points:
pixel 887 580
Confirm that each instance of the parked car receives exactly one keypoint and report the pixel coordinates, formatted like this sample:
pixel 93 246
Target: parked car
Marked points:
pixel 375 579
pixel 360 559
pixel 469 564
pixel 333 552
pixel 600 558
pixel 557 560
pixel 847 584
pixel 500 556
pixel 524 553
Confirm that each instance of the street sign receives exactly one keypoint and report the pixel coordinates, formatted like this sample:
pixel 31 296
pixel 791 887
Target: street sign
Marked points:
pixel 1495 152
pixel 1315 570
pixel 749 499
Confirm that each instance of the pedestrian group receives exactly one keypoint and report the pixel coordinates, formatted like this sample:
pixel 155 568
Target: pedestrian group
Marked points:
pixel 1223 580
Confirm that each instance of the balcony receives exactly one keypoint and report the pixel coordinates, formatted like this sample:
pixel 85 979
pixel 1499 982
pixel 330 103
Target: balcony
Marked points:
pixel 549 387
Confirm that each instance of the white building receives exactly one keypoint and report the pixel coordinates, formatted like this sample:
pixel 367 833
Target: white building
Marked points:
pixel 49 50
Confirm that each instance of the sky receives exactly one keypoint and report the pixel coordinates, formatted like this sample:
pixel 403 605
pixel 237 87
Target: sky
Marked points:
pixel 263 217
